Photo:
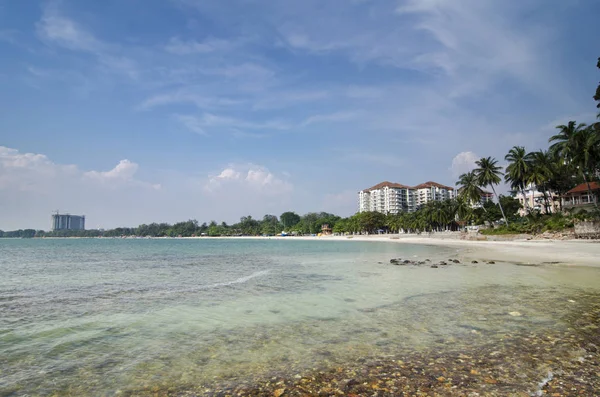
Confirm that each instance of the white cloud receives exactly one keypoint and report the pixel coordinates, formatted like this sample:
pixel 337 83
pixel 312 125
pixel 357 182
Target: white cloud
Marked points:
pixel 123 173
pixel 252 177
pixel 32 185
pixel 463 163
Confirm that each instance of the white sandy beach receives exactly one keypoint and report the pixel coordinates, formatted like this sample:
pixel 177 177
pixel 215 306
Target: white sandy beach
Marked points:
pixel 555 252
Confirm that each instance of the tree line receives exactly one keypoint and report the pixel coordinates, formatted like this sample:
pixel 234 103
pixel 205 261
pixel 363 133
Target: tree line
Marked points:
pixel 572 158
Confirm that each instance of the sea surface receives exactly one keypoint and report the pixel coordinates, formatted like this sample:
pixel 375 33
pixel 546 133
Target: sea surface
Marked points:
pixel 101 317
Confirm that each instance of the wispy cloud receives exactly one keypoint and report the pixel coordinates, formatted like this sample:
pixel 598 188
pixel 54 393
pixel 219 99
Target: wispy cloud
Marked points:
pixel 191 123
pixel 181 47
pixel 331 117
pixel 180 97
pixel 211 121
pixel 60 30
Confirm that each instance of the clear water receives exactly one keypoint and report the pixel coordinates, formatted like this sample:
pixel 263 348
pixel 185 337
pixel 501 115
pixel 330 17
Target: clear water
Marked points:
pixel 103 316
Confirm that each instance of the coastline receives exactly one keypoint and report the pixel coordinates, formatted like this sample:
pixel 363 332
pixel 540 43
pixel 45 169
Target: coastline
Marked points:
pixel 546 252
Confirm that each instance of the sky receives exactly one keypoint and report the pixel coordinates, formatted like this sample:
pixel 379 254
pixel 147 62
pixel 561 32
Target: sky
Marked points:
pixel 135 111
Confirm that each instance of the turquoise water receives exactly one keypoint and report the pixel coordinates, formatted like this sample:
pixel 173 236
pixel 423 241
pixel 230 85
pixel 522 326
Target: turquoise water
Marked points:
pixel 104 316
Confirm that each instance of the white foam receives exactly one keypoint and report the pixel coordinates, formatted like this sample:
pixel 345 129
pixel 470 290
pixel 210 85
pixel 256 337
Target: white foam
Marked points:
pixel 240 280
pixel 544 382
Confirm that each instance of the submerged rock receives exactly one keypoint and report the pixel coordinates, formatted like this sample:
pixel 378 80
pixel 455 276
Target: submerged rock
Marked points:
pixel 435 266
pixel 474 262
pixel 491 263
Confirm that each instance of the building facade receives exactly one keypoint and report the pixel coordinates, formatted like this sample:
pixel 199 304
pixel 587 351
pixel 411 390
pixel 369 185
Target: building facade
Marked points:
pixel 68 222
pixel 432 191
pixel 485 197
pixel 532 199
pixel 392 198
pixel 580 198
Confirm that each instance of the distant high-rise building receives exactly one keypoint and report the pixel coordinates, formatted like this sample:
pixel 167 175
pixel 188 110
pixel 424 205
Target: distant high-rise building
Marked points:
pixel 392 198
pixel 68 222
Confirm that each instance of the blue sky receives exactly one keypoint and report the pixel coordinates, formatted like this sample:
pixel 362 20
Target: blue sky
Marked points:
pixel 133 111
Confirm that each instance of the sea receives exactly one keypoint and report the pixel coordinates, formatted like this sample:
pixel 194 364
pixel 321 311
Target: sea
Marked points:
pixel 104 317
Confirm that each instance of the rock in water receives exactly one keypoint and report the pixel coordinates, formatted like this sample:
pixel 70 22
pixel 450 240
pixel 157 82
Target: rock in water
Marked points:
pixel 474 262
pixel 515 314
pixel 491 263
pixel 435 266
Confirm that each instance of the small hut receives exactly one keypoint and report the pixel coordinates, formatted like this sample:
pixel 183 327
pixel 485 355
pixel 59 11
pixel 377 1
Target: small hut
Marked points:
pixel 325 230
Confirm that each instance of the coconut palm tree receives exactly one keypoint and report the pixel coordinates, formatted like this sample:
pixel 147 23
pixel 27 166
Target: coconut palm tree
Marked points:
pixel 587 157
pixel 463 208
pixel 517 171
pixel 542 166
pixel 469 187
pixel 489 173
pixel 566 141
pixel 579 146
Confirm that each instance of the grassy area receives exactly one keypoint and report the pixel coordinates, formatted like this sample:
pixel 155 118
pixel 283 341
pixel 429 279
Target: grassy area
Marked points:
pixel 536 224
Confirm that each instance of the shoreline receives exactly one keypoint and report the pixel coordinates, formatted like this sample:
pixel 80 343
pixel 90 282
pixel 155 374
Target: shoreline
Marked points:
pixel 533 252
pixel 520 251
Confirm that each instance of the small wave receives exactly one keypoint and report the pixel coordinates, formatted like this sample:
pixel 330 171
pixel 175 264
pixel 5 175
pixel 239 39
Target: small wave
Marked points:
pixel 240 280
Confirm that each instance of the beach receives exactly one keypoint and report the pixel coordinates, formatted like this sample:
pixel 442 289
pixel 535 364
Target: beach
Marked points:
pixel 548 252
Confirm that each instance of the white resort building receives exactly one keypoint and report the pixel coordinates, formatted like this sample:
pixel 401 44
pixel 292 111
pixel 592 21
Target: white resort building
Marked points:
pixel 533 200
pixel 388 197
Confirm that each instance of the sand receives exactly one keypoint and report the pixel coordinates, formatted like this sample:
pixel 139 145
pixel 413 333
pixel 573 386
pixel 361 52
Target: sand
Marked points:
pixel 551 252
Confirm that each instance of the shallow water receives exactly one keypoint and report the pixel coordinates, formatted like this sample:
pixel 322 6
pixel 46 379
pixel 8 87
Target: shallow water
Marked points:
pixel 98 317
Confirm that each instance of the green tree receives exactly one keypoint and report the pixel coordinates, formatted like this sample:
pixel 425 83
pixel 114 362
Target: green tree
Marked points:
pixel 511 206
pixel 566 142
pixel 469 187
pixel 488 174
pixel 249 226
pixel 579 146
pixel 517 171
pixel 289 219
pixel 270 225
pixel 464 210
pixel 541 173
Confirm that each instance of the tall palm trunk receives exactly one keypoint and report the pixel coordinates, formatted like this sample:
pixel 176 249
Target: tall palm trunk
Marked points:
pixel 500 204
pixel 525 200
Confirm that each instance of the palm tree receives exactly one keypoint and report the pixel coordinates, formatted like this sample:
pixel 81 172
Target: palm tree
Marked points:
pixel 566 141
pixel 517 171
pixel 587 156
pixel 469 187
pixel 542 166
pixel 579 146
pixel 463 208
pixel 488 174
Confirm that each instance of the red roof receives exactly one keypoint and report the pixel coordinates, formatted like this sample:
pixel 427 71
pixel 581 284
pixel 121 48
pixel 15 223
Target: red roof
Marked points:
pixel 584 188
pixel 432 184
pixel 388 184
pixel 400 186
